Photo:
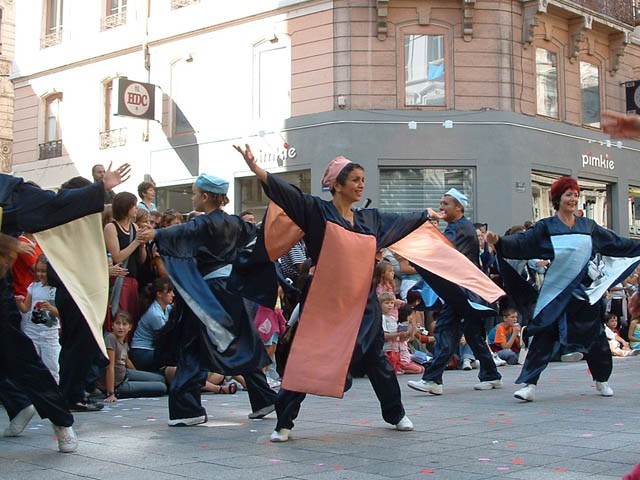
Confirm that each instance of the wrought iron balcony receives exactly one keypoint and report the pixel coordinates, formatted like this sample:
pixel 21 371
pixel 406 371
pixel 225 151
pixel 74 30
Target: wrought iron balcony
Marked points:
pixel 175 4
pixel 113 138
pixel 51 39
pixel 114 20
pixel 620 10
pixel 51 149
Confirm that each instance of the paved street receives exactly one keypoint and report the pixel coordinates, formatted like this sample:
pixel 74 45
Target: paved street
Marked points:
pixel 570 432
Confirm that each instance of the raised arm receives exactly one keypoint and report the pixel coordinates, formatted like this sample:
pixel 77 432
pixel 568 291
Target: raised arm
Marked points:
pixel 251 162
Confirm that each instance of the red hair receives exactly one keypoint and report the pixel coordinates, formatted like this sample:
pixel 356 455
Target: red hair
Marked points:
pixel 560 186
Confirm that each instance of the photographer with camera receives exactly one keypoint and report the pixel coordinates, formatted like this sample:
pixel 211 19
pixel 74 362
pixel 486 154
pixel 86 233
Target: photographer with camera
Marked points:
pixel 40 320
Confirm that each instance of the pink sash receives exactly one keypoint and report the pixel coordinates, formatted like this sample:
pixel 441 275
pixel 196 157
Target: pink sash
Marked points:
pixel 332 314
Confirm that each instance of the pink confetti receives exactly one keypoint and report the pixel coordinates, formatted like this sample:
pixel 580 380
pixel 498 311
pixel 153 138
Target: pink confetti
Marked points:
pixel 483 459
pixel 619 424
pixel 319 464
pixel 503 469
pixel 587 435
pixel 337 467
pixel 517 461
pixel 204 447
pixel 559 469
pixel 275 460
pixel 511 445
pixel 427 470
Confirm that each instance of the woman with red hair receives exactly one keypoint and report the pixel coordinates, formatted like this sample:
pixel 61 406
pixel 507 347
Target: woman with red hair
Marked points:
pixel 586 260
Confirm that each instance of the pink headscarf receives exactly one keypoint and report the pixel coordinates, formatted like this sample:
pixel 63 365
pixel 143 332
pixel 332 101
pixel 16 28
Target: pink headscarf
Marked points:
pixel 333 170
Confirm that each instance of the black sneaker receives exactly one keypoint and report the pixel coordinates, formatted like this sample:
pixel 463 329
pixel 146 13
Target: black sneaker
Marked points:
pixel 86 406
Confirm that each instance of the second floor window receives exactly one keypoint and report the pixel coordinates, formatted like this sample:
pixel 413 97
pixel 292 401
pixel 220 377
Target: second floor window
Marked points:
pixel 272 79
pixel 115 14
pixel 52 34
pixel 52 118
pixel 590 90
pixel 424 65
pixel 547 83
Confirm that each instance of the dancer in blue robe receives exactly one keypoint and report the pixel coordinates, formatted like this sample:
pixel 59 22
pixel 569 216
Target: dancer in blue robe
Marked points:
pixel 213 331
pixel 568 306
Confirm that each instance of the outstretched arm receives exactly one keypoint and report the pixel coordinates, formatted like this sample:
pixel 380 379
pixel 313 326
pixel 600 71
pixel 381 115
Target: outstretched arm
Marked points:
pixel 620 125
pixel 251 162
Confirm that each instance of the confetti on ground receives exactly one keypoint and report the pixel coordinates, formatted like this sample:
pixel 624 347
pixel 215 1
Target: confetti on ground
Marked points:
pixel 502 469
pixel 517 461
pixel 275 460
pixel 427 470
pixel 337 467
pixel 319 464
pixel 618 424
pixel 511 445
pixel 484 459
pixel 495 442
pixel 560 470
pixel 117 416
pixel 587 435
pixel 126 426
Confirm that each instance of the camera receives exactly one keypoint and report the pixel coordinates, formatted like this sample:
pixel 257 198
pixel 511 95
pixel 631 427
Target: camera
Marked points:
pixel 43 317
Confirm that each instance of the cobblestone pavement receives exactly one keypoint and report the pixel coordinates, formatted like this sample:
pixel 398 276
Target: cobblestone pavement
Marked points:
pixel 570 432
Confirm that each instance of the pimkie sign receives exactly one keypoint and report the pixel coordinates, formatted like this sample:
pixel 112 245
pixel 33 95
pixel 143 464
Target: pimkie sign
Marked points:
pixel 136 99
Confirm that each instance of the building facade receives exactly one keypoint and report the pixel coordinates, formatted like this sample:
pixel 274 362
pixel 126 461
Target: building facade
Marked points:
pixel 494 97
pixel 7 45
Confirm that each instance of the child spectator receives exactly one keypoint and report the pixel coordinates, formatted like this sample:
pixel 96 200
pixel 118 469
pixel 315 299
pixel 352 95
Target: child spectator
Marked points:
pixel 394 338
pixel 504 340
pixel 408 319
pixel 618 345
pixel 383 279
pixel 40 322
pixel 121 379
pixel 271 324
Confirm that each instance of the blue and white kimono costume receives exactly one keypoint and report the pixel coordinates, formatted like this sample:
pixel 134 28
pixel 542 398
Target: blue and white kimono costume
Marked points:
pixel 567 307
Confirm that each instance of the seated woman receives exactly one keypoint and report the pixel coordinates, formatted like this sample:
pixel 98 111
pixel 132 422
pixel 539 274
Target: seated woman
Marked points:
pixel 156 303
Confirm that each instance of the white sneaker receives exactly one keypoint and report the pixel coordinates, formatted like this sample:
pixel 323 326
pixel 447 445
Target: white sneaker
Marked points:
pixel 404 425
pixel 488 385
pixel 279 436
pixel 572 357
pixel 498 361
pixel 466 364
pixel 476 364
pixel 427 387
pixel 20 421
pixel 604 389
pixel 526 393
pixel 188 422
pixel 67 441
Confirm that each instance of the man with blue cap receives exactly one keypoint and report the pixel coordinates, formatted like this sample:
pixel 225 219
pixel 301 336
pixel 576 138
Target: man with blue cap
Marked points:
pixel 212 329
pixel 450 326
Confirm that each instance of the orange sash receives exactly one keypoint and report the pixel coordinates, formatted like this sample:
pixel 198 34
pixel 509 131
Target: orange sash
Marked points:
pixel 332 314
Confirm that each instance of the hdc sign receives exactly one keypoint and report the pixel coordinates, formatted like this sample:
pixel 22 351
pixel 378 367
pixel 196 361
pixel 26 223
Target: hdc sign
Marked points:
pixel 136 99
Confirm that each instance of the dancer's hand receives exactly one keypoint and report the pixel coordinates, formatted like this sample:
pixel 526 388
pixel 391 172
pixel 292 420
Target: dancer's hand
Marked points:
pixel 113 178
pixel 620 125
pixel 491 237
pixel 250 160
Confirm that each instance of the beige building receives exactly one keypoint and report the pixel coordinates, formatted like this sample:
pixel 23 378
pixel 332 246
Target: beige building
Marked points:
pixel 496 97
pixel 7 45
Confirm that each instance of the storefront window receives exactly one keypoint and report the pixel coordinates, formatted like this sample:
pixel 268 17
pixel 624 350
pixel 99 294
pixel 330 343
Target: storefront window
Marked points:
pixel 634 211
pixel 593 203
pixel 412 189
pixel 547 82
pixel 253 198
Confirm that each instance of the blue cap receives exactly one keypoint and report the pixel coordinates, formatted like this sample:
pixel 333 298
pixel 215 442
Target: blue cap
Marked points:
pixel 459 196
pixel 209 183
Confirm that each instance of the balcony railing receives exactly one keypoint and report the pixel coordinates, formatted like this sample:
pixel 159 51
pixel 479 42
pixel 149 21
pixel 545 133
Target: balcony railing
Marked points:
pixel 113 138
pixel 621 10
pixel 114 20
pixel 175 4
pixel 51 149
pixel 51 39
